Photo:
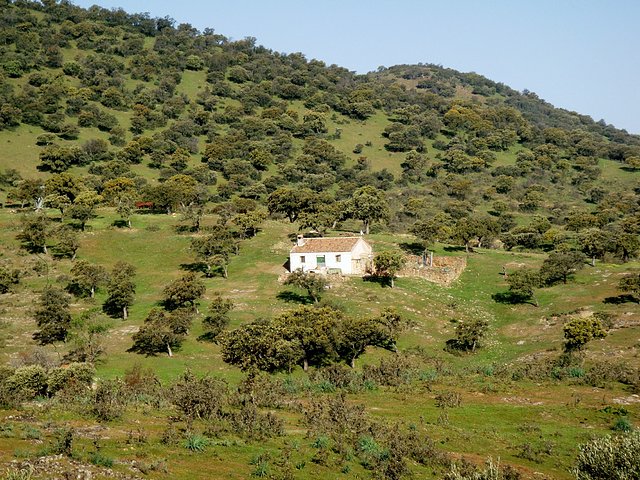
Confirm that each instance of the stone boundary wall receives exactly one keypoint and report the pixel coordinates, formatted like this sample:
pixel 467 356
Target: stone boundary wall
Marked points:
pixel 444 271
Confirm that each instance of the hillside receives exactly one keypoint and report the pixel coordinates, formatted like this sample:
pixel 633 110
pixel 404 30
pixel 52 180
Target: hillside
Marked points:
pixel 169 171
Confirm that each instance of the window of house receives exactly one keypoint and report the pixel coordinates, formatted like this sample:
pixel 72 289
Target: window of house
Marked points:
pixel 302 259
pixel 320 261
pixel 338 258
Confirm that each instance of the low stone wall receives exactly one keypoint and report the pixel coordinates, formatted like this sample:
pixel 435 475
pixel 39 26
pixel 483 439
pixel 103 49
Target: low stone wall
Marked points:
pixel 444 270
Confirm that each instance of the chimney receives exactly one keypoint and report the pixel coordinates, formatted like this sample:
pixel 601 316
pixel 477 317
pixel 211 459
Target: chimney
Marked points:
pixel 301 240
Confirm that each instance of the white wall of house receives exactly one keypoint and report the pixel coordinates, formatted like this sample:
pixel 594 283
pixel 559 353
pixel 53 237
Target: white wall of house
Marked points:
pixel 309 261
pixel 354 262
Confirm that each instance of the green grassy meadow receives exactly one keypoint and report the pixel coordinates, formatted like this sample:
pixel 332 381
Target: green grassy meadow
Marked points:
pixel 536 426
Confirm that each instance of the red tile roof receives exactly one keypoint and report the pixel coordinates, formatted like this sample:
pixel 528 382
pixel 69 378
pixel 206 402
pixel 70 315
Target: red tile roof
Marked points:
pixel 319 245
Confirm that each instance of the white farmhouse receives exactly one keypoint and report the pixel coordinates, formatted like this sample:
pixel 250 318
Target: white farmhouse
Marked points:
pixel 343 255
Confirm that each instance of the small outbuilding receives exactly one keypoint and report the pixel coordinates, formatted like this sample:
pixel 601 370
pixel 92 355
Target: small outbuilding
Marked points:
pixel 340 255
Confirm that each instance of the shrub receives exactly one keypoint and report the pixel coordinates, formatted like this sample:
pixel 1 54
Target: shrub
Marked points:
pixel 109 400
pixel 15 473
pixel 101 460
pixel 602 372
pixel 493 471
pixel 338 375
pixel 622 425
pixel 28 382
pixel 197 397
pixel 143 385
pixel 79 373
pixel 262 390
pixel 251 423
pixel 196 443
pixel 62 443
pixel 609 458
pixel 393 371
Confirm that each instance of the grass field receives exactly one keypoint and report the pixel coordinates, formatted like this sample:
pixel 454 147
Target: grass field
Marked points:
pixel 532 425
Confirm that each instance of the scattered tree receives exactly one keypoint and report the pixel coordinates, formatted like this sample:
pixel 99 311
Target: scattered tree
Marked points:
pixel 214 250
pixel 34 232
pixel 218 319
pixel 387 264
pixel 368 204
pixel 559 266
pixel 260 345
pixel 162 332
pixel 631 283
pixel 67 243
pixel 580 331
pixel 121 290
pixel 52 317
pixel 315 331
pixel 356 334
pixel 314 284
pixel 522 284
pixel 87 277
pixel 184 292
pixel 468 334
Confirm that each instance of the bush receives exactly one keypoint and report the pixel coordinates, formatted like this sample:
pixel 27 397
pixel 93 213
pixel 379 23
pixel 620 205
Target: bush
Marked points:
pixel 109 400
pixel 251 423
pixel 394 371
pixel 609 458
pixel 196 443
pixel 622 425
pixel 101 460
pixel 15 473
pixel 197 397
pixel 28 382
pixel 262 390
pixel 604 372
pixel 493 471
pixel 79 373
pixel 143 385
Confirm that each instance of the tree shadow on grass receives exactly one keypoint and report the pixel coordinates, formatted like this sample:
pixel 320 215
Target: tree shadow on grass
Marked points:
pixel 623 298
pixel 208 337
pixel 379 279
pixel 414 248
pixel 456 248
pixel 120 224
pixel 194 267
pixel 293 297
pixel 511 298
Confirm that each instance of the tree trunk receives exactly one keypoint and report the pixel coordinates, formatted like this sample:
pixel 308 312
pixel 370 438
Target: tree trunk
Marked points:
pixel 129 222
pixel 93 291
pixel 305 364
pixel 593 261
pixel 125 314
pixel 366 227
pixel 352 363
pixel 466 246
pixel 73 257
pixel 44 249
pixel 169 350
pixel 224 271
